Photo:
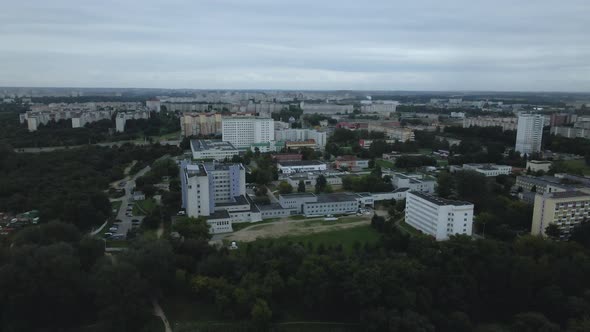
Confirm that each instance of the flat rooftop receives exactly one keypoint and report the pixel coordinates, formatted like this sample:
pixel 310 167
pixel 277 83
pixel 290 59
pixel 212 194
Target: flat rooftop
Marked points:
pixel 222 214
pixel 238 200
pixel 211 144
pixel 300 163
pixel 339 197
pixel 568 194
pixel 438 200
pixel 295 195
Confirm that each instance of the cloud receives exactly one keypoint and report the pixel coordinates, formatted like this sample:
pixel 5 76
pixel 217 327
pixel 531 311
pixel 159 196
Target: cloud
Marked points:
pixel 421 45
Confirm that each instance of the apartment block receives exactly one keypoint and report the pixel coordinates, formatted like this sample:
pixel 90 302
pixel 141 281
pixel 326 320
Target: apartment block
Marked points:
pixel 564 209
pixel 529 133
pixel 245 131
pixel 200 124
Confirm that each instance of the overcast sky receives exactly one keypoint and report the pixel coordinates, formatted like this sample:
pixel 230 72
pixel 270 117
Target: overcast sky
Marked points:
pixel 524 45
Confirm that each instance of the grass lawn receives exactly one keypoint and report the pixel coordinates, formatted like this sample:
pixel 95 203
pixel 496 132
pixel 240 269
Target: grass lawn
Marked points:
pixel 321 221
pixel 442 162
pixel 141 208
pixel 425 151
pixel 243 225
pixel 345 237
pixel 574 166
pixel 408 229
pixel 170 136
pixel 384 163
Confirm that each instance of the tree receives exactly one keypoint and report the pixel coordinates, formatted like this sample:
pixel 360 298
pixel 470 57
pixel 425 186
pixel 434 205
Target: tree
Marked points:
pixel 301 186
pixel 285 188
pixel 377 171
pixel 552 231
pixel 122 297
pixel 320 184
pixel 261 314
pixel 581 234
pixel 192 228
pixel 444 186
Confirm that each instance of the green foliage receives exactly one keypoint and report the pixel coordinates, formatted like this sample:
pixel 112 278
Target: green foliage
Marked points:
pixel 320 184
pixel 285 188
pixel 366 183
pixel 68 185
pixel 301 186
pixel 444 186
pixel 414 161
pixel 192 228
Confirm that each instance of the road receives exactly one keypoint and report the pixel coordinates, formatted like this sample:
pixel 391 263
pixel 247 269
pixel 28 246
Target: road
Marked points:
pixel 107 144
pixel 125 223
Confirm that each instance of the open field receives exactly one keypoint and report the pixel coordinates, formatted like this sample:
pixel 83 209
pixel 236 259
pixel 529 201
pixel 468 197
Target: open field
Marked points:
pixel 290 227
pixel 347 237
pixel 384 163
pixel 574 166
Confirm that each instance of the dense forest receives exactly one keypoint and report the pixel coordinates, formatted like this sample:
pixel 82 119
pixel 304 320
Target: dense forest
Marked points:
pixel 69 185
pixel 401 283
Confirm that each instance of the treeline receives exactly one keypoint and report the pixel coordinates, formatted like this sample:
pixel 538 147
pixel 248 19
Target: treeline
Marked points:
pixel 54 279
pixel 499 215
pixel 400 284
pixel 68 185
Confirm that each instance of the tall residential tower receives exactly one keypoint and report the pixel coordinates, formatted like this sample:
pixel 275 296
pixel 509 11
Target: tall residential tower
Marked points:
pixel 529 133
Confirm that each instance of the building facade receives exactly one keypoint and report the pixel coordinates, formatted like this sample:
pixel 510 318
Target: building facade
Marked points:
pixel 290 167
pixel 440 218
pixel 300 135
pixel 529 133
pixel 563 209
pixel 200 124
pixel 245 131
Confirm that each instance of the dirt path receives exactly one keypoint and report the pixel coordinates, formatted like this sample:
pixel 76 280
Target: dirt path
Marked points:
pixel 288 226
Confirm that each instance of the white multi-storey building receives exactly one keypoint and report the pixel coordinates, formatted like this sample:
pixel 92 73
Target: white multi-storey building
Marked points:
pixel 217 192
pixel 245 131
pixel 438 217
pixel 529 133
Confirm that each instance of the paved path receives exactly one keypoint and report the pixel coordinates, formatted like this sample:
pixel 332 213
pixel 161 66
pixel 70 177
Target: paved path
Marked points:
pixel 160 313
pixel 126 221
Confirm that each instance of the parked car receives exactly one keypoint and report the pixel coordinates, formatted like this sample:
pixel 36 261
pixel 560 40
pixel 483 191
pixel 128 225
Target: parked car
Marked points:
pixel 108 234
pixel 113 229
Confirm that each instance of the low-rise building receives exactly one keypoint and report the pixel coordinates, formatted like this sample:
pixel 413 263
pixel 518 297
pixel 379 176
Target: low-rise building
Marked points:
pixel 414 182
pixel 489 170
pixel 302 135
pixel 290 167
pixel 547 184
pixel 538 165
pixel 563 209
pixel 138 196
pixel 438 217
pixel 287 156
pixel 310 204
pixel 212 149
pixel 351 162
pixel 506 123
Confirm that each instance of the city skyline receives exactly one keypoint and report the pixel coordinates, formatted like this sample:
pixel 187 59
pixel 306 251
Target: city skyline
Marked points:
pixel 419 46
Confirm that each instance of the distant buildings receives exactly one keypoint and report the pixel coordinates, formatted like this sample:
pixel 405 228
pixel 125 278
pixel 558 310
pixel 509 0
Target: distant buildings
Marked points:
pixel 153 105
pixel 301 135
pixel 438 217
pixel 563 209
pixel 382 107
pixel 122 117
pixel 529 133
pixel 325 108
pixel 393 132
pixel 213 149
pixel 506 123
pixel 200 124
pixel 489 170
pixel 245 131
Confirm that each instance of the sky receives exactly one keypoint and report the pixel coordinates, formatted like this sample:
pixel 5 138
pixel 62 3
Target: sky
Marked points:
pixel 500 45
